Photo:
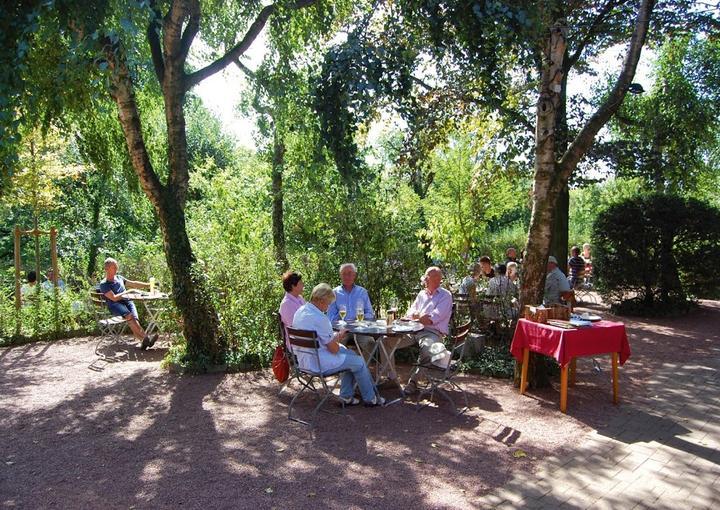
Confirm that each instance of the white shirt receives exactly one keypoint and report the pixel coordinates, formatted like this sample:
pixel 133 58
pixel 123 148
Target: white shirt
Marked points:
pixel 311 318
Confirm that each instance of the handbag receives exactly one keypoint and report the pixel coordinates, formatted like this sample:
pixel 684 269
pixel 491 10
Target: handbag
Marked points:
pixel 280 365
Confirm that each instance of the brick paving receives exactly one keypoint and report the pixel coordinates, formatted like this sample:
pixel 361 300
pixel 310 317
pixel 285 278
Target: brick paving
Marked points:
pixel 659 449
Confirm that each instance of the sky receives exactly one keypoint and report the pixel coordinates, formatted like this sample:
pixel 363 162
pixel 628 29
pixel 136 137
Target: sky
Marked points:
pixel 221 92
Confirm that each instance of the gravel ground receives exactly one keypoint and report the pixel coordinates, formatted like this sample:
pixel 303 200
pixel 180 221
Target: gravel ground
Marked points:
pixel 87 424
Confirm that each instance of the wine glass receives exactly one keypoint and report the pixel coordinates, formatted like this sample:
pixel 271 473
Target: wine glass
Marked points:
pixel 342 311
pixel 360 313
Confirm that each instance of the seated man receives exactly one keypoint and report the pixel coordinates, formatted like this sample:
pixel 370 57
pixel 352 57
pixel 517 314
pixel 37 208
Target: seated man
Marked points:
pixel 576 267
pixel 333 356
pixel 555 283
pixel 432 308
pixel 468 285
pixel 353 297
pixel 113 288
pixel 48 284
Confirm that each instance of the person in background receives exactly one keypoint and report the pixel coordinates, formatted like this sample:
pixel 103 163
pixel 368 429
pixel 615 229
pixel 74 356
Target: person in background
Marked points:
pixel 332 355
pixel 511 256
pixel 47 285
pixel 586 253
pixel 576 267
pixel 486 265
pixel 292 300
pixel 500 285
pixel 432 308
pixel 28 289
pixel 114 288
pixel 468 285
pixel 555 282
pixel 512 273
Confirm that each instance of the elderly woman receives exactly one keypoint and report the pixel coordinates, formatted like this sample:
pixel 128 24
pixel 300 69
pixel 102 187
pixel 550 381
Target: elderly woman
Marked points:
pixel 332 355
pixel 114 289
pixel 512 272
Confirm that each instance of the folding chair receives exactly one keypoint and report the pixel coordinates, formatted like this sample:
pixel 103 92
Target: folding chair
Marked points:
pixel 307 341
pixel 584 289
pixel 440 379
pixel 292 360
pixel 111 327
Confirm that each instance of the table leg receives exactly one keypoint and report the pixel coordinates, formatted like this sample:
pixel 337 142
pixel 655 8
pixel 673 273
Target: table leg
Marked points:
pixel 615 378
pixel 524 370
pixel 563 388
pixel 573 368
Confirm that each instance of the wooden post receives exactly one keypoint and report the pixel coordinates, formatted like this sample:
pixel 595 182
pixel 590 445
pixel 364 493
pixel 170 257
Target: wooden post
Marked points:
pixel 563 388
pixel 18 299
pixel 53 255
pixel 616 388
pixel 524 370
pixel 36 233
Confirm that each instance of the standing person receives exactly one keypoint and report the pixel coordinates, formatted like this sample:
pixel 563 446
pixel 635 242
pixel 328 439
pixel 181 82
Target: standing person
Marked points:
pixel 555 282
pixel 576 267
pixel 586 253
pixel 333 356
pixel 468 285
pixel 432 308
pixel 512 273
pixel 504 290
pixel 511 255
pixel 113 288
pixel 292 300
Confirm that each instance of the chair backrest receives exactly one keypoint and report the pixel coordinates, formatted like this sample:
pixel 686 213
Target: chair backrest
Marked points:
pixel 281 327
pixel 304 339
pixel 458 341
pixel 97 302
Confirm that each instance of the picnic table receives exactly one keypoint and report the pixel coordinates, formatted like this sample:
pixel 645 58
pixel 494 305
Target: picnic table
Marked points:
pixel 603 337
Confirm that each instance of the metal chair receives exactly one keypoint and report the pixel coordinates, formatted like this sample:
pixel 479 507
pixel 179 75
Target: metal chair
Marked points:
pixel 111 327
pixel 292 360
pixel 439 379
pixel 584 289
pixel 304 340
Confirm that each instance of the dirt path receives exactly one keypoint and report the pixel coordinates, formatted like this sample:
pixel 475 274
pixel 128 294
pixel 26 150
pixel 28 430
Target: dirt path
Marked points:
pixel 79 433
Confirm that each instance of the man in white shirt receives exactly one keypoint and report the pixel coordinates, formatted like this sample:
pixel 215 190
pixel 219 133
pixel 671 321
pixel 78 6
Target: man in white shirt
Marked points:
pixel 555 282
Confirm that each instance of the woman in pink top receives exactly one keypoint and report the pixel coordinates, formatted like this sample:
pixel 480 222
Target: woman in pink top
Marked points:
pixel 293 285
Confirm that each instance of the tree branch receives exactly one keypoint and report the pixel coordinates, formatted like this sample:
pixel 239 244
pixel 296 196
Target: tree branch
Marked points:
pixel 585 138
pixel 236 51
pixel 602 15
pixel 190 31
pixel 153 37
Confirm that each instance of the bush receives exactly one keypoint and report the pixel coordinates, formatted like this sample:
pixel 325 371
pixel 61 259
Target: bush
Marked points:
pixel 493 362
pixel 656 254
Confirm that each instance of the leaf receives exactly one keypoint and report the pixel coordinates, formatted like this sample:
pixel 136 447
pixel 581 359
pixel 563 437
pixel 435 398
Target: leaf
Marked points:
pixel 269 490
pixel 281 449
pixel 433 445
pixel 419 461
pixel 311 494
pixel 519 453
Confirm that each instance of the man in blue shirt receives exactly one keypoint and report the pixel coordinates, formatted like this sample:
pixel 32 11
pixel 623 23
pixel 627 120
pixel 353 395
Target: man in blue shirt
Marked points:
pixel 114 291
pixel 331 355
pixel 353 298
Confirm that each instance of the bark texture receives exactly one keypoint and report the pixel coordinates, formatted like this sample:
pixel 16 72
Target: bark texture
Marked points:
pixel 278 223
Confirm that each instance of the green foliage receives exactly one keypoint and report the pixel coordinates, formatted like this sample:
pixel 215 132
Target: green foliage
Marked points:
pixel 43 318
pixel 653 253
pixel 492 362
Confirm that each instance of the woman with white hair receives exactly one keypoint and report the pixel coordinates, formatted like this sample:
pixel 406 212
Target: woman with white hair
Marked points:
pixel 332 355
pixel 114 288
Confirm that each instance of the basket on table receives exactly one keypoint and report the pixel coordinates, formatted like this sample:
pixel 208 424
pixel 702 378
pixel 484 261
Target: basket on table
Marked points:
pixel 537 314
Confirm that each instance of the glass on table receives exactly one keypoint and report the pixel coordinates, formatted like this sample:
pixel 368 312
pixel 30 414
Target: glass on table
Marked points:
pixel 342 311
pixel 360 313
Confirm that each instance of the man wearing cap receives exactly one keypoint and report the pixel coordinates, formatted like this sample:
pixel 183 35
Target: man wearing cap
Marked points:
pixel 555 282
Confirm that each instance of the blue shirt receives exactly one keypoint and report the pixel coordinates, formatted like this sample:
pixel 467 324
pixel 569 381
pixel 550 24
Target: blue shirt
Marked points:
pixel 117 286
pixel 311 318
pixel 356 297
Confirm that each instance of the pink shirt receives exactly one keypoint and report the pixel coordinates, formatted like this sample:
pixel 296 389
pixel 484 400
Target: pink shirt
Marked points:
pixel 437 305
pixel 288 306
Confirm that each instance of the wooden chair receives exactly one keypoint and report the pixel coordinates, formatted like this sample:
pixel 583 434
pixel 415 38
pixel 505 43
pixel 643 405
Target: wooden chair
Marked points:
pixel 307 341
pixel 441 379
pixel 111 327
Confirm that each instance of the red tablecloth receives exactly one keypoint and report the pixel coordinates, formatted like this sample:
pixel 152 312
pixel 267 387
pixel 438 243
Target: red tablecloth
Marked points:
pixel 566 344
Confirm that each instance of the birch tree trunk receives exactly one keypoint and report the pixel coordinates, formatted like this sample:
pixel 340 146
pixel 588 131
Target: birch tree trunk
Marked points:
pixel 278 222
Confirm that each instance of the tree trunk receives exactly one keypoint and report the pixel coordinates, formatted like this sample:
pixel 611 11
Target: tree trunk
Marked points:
pixel 190 287
pixel 94 243
pixel 278 223
pixel 559 241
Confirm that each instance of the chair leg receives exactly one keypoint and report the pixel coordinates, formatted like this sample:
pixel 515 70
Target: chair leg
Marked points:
pixel 292 405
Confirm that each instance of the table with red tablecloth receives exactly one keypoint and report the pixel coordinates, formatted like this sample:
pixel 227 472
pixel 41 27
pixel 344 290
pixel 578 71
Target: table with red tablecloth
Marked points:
pixel 603 337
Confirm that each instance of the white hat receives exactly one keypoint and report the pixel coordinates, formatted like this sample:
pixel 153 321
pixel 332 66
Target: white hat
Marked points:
pixel 552 259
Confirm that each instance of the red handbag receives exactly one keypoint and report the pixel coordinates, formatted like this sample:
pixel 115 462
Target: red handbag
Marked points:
pixel 280 365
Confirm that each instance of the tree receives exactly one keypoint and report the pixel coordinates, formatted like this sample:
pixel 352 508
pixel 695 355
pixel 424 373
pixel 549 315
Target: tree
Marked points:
pixel 171 27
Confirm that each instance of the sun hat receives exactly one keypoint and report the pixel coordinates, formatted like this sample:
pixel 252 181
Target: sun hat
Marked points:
pixel 552 259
